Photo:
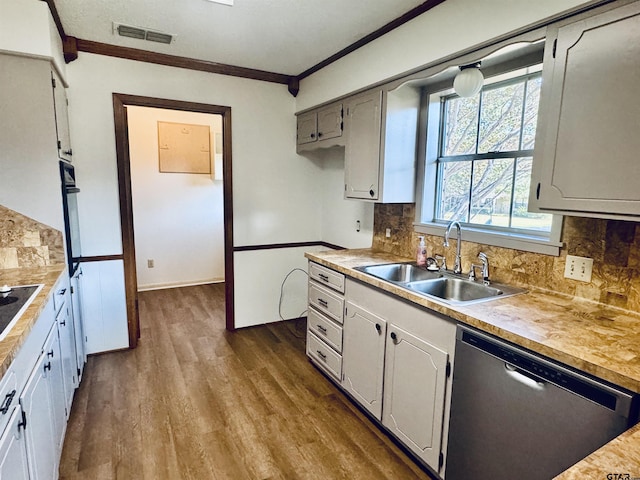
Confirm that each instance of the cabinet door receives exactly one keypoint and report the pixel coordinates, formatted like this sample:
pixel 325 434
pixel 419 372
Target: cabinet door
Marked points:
pixel 330 122
pixel 414 392
pixel 67 352
pixel 76 310
pixel 38 406
pixel 307 128
pixel 13 452
pixel 363 357
pixel 53 369
pixel 588 141
pixel 62 117
pixel 362 151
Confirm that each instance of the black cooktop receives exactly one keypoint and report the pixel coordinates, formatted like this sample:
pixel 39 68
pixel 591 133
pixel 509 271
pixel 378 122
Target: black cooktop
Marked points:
pixel 11 303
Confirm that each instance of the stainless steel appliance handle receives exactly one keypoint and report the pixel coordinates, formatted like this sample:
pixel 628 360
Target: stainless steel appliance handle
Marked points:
pixel 518 376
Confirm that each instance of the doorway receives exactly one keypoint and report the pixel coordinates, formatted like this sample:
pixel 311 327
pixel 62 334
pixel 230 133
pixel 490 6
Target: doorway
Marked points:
pixel 120 104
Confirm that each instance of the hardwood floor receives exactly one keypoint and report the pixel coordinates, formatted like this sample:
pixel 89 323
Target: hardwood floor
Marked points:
pixel 194 401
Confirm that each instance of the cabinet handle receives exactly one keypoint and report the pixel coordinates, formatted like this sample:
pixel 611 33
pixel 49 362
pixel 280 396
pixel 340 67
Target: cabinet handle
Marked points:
pixel 394 337
pixel 322 329
pixel 7 402
pixel 68 152
pixel 62 292
pixel 319 134
pixel 322 355
pixel 379 328
pixel 371 192
pixel 323 302
pixel 63 323
pixel 50 354
pixel 538 192
pixel 23 423
pixel 47 366
pixel 313 135
pixel 323 277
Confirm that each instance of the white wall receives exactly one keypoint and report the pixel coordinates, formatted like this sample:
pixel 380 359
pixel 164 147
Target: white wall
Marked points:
pixel 450 27
pixel 274 190
pixel 339 216
pixel 178 217
pixel 29 172
pixel 104 311
pixel 262 305
pixel 26 27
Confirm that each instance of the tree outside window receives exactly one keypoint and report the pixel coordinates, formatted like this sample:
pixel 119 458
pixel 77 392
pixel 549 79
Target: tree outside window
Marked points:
pixel 485 157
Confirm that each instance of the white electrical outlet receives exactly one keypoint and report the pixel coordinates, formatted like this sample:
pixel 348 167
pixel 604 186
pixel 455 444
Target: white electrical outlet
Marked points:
pixel 578 268
pixel 150 263
pixel 388 233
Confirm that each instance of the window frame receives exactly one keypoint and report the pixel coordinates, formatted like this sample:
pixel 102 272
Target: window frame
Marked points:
pixel 427 193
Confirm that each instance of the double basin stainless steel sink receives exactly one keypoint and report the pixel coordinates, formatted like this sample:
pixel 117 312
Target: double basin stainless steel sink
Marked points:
pixel 442 286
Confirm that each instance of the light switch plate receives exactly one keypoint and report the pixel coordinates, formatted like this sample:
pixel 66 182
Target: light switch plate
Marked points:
pixel 388 233
pixel 578 268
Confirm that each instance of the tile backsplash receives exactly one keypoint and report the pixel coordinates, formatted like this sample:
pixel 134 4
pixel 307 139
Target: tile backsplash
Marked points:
pixel 27 243
pixel 614 246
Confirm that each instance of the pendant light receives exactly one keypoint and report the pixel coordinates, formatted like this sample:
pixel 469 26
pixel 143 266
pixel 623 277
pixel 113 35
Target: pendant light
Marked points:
pixel 469 80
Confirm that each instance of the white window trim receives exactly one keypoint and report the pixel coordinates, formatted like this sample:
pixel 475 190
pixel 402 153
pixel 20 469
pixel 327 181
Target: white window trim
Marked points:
pixel 426 193
pixel 514 241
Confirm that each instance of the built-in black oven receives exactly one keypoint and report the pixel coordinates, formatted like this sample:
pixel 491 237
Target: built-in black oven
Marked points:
pixel 70 192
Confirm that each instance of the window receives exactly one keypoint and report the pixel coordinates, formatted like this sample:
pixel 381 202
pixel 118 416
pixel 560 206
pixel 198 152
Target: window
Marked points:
pixel 479 159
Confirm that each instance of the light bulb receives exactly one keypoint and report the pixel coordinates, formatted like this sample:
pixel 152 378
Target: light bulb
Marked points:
pixel 468 81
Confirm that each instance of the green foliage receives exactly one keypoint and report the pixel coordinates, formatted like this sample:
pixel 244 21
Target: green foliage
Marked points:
pixel 501 118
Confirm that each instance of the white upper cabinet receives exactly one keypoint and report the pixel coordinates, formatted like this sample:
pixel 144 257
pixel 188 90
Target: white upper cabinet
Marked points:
pixel 320 128
pixel 588 139
pixel 330 122
pixel 307 128
pixel 362 151
pixel 380 151
pixel 60 104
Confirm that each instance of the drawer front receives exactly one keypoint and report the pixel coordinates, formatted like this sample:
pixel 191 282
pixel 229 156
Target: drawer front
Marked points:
pixel 324 356
pixel 8 398
pixel 326 276
pixel 59 296
pixel 326 301
pixel 325 329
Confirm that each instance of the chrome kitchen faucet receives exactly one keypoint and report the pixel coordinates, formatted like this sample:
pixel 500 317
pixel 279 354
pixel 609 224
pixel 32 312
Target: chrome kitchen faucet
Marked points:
pixel 457 267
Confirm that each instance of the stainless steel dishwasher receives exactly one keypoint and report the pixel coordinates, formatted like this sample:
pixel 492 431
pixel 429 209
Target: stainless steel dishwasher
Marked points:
pixel 517 415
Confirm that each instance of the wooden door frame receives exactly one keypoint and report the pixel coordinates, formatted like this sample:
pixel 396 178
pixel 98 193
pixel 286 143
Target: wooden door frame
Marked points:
pixel 120 102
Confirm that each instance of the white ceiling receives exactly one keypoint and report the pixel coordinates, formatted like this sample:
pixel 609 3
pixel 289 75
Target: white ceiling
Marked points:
pixel 282 36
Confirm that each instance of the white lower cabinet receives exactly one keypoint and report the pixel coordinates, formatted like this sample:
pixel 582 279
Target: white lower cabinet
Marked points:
pixel 13 452
pixel 363 357
pixel 78 326
pixel 324 319
pixel 396 364
pixel 414 395
pixel 53 370
pixel 69 366
pixel 324 356
pixel 40 404
pixel 36 394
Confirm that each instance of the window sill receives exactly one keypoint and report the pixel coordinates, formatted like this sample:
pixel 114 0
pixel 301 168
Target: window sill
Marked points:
pixel 498 239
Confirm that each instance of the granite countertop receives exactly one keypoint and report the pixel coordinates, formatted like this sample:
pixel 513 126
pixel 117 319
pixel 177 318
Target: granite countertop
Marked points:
pixel 48 277
pixel 591 337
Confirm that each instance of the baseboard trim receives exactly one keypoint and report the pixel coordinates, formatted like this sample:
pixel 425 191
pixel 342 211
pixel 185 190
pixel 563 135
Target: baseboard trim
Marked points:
pixel 164 286
pixel 273 246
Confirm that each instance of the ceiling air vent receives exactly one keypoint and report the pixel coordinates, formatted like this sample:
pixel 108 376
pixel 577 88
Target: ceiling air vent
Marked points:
pixel 142 33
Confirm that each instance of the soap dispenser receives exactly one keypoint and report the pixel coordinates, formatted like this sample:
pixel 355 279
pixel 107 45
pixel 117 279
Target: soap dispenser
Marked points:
pixel 421 253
